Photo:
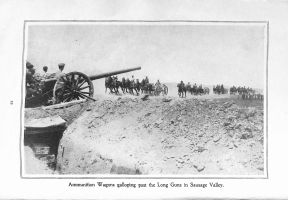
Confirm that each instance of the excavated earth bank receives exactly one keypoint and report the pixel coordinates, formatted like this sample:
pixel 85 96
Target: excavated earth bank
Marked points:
pixel 129 135
pixel 45 163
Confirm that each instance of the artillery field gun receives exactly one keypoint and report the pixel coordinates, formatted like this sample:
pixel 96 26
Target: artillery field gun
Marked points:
pixel 76 86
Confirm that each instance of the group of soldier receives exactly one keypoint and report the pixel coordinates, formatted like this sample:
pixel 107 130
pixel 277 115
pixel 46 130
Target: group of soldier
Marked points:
pixel 241 90
pixel 193 90
pixel 219 89
pixel 246 92
pixel 35 81
pixel 134 86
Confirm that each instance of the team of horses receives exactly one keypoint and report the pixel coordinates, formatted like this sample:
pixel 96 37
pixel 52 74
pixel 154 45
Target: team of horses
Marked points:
pixel 242 92
pixel 246 92
pixel 193 90
pixel 134 87
pixel 219 89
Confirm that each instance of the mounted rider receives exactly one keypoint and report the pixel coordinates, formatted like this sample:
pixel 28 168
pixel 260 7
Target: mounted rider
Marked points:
pixel 115 79
pixel 181 84
pixel 146 80
pixel 158 84
pixel 132 79
pixel 195 86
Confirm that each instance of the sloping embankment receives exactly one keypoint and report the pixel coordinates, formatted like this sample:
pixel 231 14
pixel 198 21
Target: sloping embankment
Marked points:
pixel 165 136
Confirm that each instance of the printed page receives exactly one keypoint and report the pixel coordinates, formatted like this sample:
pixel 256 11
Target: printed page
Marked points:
pixel 143 99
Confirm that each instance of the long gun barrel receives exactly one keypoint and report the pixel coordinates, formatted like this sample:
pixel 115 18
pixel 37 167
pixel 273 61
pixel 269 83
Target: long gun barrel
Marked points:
pixel 113 73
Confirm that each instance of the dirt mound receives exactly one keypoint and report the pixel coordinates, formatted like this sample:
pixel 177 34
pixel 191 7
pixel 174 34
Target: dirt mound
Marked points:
pixel 130 135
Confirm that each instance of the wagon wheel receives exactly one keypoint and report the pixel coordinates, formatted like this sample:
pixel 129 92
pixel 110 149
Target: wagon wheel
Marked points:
pixel 77 86
pixel 165 90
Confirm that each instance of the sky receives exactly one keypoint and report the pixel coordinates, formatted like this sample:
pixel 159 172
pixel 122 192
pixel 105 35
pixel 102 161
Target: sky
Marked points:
pixel 232 54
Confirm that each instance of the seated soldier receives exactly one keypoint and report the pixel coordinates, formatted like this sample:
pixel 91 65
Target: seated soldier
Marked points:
pixel 59 85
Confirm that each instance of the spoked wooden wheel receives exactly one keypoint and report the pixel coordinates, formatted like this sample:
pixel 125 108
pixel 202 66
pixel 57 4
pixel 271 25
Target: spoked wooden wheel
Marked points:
pixel 77 86
pixel 165 90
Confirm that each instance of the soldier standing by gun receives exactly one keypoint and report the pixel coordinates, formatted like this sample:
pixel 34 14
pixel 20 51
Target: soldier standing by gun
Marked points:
pixel 59 85
pixel 46 74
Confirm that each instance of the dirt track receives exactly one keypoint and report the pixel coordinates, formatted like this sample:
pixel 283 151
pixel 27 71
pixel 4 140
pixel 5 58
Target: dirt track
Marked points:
pixel 126 135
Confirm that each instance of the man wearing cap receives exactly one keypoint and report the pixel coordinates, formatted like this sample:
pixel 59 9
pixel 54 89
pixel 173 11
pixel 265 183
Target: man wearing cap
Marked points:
pixel 45 75
pixel 58 88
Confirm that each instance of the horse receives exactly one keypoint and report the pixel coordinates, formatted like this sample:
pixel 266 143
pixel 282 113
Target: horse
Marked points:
pixel 161 89
pixel 151 88
pixel 194 89
pixel 127 85
pixel 116 84
pixel 219 89
pixel 233 90
pixel 200 90
pixel 108 84
pixel 189 88
pixel 143 86
pixel 132 87
pixel 123 85
pixel 137 86
pixel 113 84
pixel 181 89
pixel 206 90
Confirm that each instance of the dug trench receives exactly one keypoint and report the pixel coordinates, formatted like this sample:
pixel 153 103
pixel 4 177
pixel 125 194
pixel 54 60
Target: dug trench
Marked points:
pixel 41 144
pixel 44 148
pixel 165 135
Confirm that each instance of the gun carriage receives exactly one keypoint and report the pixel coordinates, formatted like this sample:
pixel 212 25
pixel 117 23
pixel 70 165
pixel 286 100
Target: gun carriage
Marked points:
pixel 77 86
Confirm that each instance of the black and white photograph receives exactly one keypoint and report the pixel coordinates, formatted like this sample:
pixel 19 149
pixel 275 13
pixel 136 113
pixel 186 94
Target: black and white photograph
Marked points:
pixel 145 99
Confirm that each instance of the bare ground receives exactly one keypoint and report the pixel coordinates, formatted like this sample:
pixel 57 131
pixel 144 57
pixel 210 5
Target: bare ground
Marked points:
pixel 215 135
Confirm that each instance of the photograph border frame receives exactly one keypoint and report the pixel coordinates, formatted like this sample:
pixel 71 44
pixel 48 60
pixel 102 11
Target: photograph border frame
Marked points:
pixel 265 106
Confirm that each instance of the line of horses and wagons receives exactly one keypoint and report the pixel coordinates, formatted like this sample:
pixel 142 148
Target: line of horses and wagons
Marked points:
pixel 134 87
pixel 219 89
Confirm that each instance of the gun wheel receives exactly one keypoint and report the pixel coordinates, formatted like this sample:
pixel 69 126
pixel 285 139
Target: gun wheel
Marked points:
pixel 76 86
